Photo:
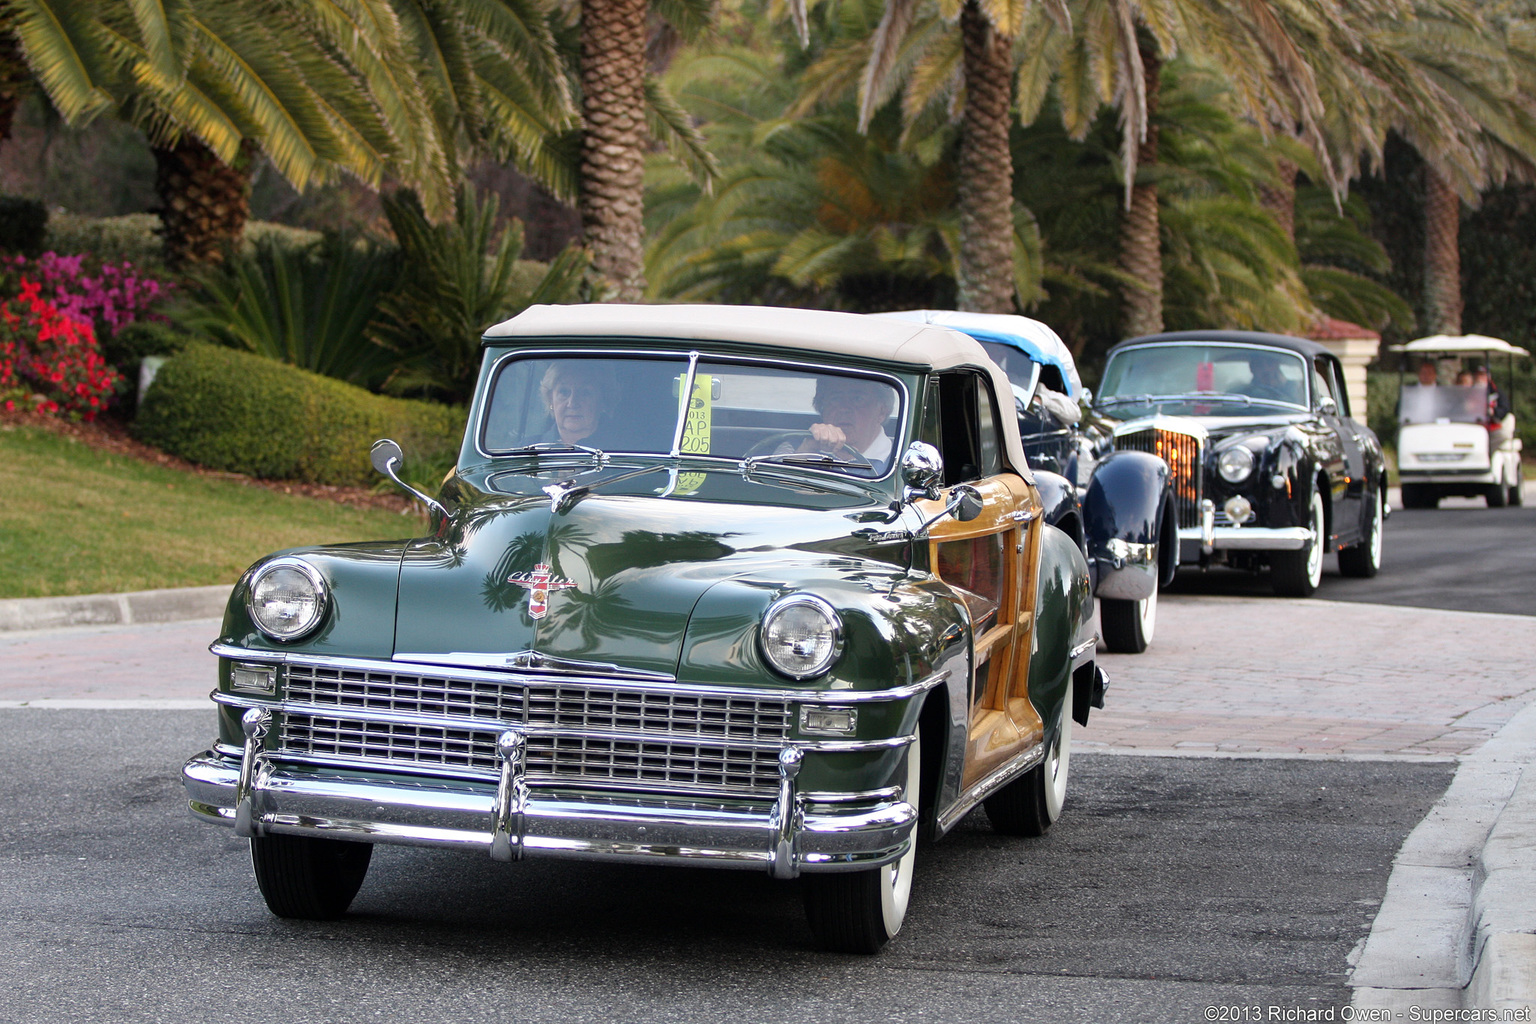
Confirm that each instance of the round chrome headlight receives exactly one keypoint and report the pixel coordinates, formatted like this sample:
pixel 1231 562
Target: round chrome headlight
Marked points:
pixel 801 636
pixel 287 598
pixel 1235 464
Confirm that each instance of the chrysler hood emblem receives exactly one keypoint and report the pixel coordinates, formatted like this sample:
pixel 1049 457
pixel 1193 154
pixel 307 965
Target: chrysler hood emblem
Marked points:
pixel 539 583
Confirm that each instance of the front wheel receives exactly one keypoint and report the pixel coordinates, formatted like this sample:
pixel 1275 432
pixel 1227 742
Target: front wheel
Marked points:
pixel 1030 804
pixel 1497 494
pixel 860 911
pixel 307 878
pixel 1297 573
pixel 1363 560
pixel 1128 625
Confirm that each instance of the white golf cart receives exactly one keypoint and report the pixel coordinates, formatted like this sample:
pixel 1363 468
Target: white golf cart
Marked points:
pixel 1456 431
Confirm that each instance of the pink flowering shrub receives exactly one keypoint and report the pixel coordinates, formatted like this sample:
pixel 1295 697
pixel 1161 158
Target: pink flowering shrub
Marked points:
pixel 49 359
pixel 110 298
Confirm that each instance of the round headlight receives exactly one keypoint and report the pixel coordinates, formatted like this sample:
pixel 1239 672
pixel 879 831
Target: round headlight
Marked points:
pixel 287 598
pixel 801 636
pixel 1235 464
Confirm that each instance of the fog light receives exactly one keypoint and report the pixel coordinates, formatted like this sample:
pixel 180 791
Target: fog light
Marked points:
pixel 254 678
pixel 829 721
pixel 1239 510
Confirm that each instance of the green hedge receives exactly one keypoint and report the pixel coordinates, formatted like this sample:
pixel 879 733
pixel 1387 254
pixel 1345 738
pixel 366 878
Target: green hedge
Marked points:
pixel 235 411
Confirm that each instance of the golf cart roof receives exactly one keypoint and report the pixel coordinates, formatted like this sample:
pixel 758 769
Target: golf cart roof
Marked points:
pixel 1460 343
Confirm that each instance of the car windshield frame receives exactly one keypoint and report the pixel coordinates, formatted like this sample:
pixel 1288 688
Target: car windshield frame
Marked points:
pixel 1213 395
pixel 694 363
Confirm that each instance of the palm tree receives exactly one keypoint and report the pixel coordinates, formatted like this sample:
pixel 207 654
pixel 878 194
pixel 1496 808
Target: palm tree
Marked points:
pixel 976 66
pixel 321 88
pixel 622 107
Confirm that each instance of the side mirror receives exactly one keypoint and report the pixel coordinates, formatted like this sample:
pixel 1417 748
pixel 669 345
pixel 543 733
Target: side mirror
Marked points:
pixel 922 470
pixel 1328 406
pixel 387 458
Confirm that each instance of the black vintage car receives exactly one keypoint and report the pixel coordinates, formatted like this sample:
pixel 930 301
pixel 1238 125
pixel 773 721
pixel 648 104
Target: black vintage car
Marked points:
pixel 1117 506
pixel 1269 470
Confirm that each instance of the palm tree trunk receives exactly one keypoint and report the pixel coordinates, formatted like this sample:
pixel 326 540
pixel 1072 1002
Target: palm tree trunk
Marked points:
pixel 204 202
pixel 1280 199
pixel 1141 249
pixel 1442 254
pixel 986 168
pixel 613 37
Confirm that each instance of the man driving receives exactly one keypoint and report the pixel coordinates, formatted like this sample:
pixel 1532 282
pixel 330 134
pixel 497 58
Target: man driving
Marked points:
pixel 1267 380
pixel 853 414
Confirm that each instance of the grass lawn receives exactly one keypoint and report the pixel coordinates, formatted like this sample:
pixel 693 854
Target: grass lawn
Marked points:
pixel 78 520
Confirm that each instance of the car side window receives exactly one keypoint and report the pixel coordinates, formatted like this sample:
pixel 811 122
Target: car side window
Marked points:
pixel 1325 386
pixel 961 420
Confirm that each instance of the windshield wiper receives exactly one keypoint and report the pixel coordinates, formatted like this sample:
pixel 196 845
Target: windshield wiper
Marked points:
pixel 565 493
pixel 597 455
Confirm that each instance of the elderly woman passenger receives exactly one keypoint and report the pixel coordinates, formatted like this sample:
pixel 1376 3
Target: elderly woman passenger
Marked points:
pixel 580 395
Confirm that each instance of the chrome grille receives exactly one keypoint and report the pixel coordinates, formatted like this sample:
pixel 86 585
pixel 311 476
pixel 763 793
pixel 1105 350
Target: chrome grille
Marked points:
pixel 701 742
pixel 1182 453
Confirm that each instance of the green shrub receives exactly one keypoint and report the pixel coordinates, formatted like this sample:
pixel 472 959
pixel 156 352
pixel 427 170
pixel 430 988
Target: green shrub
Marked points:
pixel 135 237
pixel 239 412
pixel 111 239
pixel 23 225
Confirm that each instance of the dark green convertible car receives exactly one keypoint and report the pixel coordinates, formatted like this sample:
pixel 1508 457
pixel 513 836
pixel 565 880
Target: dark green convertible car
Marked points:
pixel 734 586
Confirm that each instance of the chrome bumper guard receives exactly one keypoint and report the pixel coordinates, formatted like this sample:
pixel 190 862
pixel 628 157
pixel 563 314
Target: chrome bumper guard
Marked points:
pixel 1126 570
pixel 797 832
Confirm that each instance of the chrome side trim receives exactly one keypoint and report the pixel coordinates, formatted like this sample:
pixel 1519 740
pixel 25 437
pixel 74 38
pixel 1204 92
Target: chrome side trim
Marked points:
pixel 993 782
pixel 1252 538
pixel 630 681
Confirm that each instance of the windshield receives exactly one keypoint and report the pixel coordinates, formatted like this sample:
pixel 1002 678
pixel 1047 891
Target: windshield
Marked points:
pixel 770 413
pixel 1194 379
pixel 1444 403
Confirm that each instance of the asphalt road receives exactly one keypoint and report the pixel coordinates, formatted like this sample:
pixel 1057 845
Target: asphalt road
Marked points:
pixel 1460 557
pixel 1169 885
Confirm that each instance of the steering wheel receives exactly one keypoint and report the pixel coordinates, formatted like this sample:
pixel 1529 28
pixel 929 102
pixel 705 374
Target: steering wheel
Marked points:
pixel 770 445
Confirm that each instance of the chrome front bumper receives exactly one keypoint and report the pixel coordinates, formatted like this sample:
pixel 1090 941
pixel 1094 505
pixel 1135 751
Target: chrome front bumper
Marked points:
pixel 1246 538
pixel 512 820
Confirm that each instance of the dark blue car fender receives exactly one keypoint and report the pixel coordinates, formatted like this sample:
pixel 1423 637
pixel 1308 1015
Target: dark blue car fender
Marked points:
pixel 1129 526
pixel 1059 497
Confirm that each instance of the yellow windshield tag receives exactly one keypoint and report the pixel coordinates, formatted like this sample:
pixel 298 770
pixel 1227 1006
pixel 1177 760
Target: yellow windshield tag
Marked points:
pixel 696 429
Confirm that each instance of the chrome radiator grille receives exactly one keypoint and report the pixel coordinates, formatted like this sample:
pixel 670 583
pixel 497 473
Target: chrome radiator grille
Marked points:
pixel 579 731
pixel 1182 453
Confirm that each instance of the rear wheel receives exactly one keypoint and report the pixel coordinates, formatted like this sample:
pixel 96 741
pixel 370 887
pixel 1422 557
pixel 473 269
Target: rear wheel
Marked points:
pixel 1030 804
pixel 308 878
pixel 1497 494
pixel 1128 625
pixel 1364 559
pixel 1515 497
pixel 1419 496
pixel 1297 573
pixel 860 911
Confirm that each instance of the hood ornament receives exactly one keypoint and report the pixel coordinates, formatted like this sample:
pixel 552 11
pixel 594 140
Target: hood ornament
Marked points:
pixel 538 584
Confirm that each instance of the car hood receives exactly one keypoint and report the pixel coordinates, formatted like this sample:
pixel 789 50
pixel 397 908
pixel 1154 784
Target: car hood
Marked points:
pixel 608 582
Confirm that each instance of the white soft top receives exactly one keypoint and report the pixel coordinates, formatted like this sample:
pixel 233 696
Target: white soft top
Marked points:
pixel 1461 343
pixel 818 331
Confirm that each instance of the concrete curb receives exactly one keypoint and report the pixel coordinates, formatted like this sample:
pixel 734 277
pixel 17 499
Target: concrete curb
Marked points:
pixel 141 606
pixel 1503 912
pixel 1456 927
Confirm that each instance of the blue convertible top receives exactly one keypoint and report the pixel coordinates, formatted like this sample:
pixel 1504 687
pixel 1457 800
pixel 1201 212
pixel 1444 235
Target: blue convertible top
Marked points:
pixel 1031 337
